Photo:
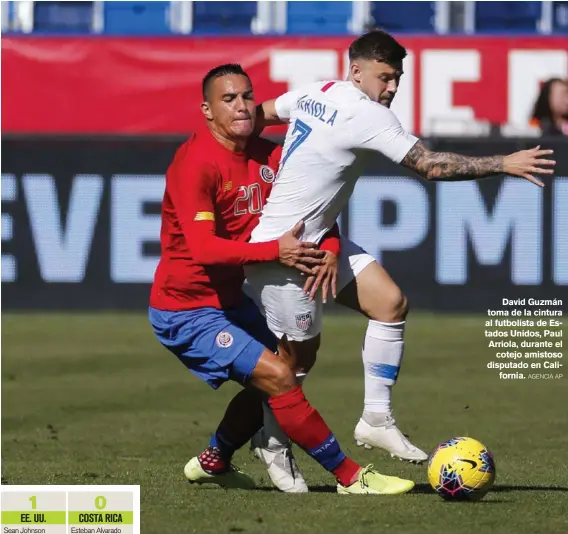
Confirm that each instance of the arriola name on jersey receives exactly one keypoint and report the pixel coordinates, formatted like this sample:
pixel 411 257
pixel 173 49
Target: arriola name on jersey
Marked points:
pixel 317 109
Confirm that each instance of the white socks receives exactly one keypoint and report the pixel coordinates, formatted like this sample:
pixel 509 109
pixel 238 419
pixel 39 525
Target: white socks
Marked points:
pixel 382 355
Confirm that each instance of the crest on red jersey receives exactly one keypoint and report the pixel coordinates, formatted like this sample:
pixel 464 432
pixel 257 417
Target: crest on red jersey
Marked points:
pixel 224 339
pixel 304 321
pixel 267 174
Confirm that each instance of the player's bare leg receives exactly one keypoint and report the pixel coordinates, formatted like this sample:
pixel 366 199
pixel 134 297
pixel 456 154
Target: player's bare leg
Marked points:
pixel 374 294
pixel 305 427
pixel 270 444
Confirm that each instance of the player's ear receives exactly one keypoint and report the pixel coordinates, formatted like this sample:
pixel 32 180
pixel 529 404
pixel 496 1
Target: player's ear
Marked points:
pixel 206 110
pixel 355 72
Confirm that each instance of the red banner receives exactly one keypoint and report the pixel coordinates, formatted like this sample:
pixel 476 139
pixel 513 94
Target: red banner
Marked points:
pixel 153 86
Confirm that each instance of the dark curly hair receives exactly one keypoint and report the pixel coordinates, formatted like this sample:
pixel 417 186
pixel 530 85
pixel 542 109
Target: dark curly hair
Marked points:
pixel 377 45
pixel 541 110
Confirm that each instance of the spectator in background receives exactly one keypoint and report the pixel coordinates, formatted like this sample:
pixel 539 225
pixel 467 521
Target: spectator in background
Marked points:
pixel 551 108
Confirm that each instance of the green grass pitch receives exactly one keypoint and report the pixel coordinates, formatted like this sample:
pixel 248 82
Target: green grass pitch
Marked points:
pixel 93 399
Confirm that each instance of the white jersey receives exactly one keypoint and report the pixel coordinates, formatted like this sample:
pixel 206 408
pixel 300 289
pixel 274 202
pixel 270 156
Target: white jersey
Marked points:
pixel 333 129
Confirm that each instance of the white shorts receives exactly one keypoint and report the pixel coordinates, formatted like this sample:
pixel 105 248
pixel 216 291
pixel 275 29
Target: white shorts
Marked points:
pixel 279 292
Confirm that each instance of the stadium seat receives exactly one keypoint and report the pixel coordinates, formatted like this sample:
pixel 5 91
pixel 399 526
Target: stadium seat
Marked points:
pixel 283 17
pixel 318 17
pixel 507 16
pixel 404 17
pixel 223 17
pixel 560 17
pixel 76 17
pixel 6 16
pixel 137 18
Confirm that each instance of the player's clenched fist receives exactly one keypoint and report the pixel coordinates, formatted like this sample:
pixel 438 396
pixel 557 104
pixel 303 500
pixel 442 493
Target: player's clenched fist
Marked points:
pixel 526 163
pixel 299 254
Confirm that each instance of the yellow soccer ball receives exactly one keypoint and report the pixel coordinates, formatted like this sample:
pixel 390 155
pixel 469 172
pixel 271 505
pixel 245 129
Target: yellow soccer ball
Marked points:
pixel 461 469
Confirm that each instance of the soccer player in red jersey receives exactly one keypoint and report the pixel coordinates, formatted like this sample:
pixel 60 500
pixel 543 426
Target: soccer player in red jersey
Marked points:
pixel 197 308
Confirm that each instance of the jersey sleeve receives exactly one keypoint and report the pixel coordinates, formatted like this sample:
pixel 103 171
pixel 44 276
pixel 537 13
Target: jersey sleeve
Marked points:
pixel 332 241
pixel 286 103
pixel 193 192
pixel 375 127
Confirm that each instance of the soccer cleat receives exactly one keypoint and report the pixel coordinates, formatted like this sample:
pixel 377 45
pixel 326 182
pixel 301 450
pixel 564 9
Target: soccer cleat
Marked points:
pixel 388 437
pixel 233 478
pixel 372 482
pixel 280 464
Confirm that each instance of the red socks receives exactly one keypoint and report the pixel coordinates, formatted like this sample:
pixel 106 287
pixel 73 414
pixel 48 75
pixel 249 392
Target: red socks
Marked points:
pixel 211 461
pixel 305 426
pixel 346 472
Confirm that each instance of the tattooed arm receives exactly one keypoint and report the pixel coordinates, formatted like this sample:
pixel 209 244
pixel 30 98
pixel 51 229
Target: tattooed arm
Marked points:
pixel 447 166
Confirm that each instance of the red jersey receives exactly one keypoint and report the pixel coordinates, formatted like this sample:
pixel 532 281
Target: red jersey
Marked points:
pixel 212 202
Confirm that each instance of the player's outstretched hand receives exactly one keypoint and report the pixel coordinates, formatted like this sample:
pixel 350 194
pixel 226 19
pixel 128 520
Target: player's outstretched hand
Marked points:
pixel 527 163
pixel 298 254
pixel 326 277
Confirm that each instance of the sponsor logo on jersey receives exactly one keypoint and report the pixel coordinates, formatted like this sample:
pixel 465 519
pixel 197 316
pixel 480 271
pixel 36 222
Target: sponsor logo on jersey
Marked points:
pixel 267 174
pixel 304 321
pixel 224 340
pixel 204 216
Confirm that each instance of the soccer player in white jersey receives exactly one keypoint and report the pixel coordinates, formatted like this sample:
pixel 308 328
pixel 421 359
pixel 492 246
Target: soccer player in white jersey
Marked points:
pixel 334 126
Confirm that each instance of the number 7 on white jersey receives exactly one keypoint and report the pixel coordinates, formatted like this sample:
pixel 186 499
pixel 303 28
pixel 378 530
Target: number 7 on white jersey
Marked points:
pixel 301 131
